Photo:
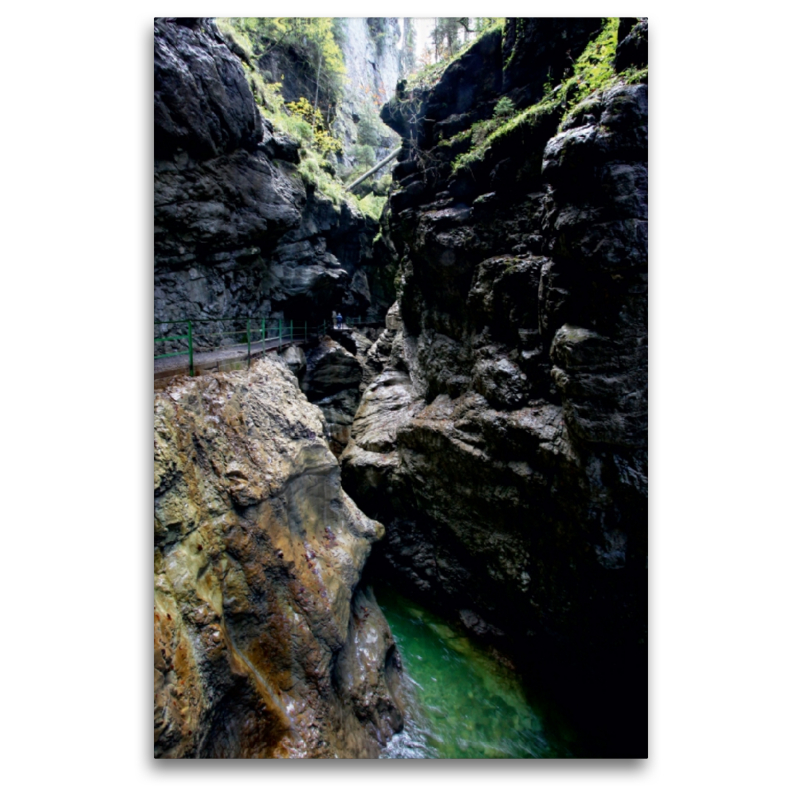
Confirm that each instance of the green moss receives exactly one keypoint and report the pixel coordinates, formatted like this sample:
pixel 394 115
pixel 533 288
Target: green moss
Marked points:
pixel 594 68
pixel 312 170
pixel 490 132
pixel 372 205
pixel 593 71
pixel 632 75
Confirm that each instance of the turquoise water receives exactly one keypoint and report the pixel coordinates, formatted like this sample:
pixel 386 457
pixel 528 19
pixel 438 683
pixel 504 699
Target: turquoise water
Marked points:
pixel 460 701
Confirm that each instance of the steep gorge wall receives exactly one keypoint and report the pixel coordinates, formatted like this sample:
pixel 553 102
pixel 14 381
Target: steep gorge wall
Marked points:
pixel 504 443
pixel 373 67
pixel 237 231
pixel 264 644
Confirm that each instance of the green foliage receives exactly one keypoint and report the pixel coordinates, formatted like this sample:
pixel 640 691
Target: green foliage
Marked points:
pixel 338 30
pixel 594 68
pixel 368 128
pixel 314 173
pixel 446 35
pixel 324 141
pixel 383 185
pixel 365 155
pixel 311 38
pixel 250 40
pixel 371 205
pixel 269 99
pixel 380 187
pixel 504 108
pixel 485 134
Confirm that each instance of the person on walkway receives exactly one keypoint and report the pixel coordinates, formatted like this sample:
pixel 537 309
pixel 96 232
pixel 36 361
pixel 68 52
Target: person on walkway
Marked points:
pixel 339 320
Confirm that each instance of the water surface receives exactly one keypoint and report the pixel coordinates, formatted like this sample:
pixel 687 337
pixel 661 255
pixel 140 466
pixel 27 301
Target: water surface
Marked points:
pixel 461 702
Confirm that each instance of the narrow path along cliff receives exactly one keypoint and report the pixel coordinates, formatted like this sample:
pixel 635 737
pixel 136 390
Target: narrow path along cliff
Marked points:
pixel 457 442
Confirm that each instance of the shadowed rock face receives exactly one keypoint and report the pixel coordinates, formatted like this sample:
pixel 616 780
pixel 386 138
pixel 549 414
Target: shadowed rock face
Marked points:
pixel 237 233
pixel 504 444
pixel 261 648
pixel 332 381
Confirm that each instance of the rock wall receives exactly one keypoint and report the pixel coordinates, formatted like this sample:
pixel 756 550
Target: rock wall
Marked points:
pixel 264 645
pixel 373 67
pixel 504 443
pixel 237 233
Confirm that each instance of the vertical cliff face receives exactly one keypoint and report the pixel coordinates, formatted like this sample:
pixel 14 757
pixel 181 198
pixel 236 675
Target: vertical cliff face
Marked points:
pixel 504 443
pixel 373 66
pixel 238 231
pixel 264 647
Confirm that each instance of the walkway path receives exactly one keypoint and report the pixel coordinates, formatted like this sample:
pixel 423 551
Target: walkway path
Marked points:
pixel 229 357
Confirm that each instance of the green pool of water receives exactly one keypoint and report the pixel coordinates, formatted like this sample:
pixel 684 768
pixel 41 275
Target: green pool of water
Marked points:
pixel 460 701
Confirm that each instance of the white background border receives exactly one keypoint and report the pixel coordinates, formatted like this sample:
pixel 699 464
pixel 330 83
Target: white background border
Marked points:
pixel 77 258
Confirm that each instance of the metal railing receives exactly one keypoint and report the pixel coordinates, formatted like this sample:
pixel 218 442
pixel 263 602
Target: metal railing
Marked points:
pixel 234 333
pixel 201 336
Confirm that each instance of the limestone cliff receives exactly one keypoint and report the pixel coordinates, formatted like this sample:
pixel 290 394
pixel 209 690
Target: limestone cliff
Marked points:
pixel 264 645
pixel 504 443
pixel 238 231
pixel 373 66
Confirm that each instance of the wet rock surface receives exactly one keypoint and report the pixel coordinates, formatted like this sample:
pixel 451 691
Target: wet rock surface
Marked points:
pixel 332 381
pixel 503 441
pixel 258 553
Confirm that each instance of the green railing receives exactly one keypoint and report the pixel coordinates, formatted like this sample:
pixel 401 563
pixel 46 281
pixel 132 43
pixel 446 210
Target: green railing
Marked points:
pixel 252 332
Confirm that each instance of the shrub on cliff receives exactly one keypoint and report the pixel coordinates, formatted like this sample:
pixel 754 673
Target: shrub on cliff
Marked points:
pixel 323 139
pixel 311 39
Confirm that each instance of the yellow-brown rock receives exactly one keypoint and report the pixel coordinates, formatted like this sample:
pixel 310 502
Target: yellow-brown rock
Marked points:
pixel 258 553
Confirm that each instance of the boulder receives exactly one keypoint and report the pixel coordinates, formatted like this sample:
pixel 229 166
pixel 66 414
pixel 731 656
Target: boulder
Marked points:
pixel 258 555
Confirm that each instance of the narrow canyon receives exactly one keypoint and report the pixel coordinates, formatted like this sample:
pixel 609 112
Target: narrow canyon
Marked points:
pixel 415 525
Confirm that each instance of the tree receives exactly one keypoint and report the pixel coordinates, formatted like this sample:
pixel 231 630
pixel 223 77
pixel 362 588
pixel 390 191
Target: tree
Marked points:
pixel 311 38
pixel 449 35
